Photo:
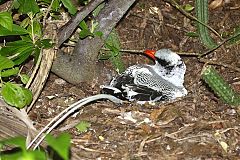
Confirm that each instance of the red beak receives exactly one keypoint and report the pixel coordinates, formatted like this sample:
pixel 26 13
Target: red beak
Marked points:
pixel 150 53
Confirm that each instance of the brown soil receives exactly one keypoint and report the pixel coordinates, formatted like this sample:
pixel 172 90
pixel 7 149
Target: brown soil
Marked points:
pixel 194 127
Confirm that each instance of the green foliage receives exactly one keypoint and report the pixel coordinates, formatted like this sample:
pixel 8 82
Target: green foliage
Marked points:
pixel 14 54
pixel 28 6
pixel 55 5
pixel 202 15
pixel 220 87
pixel 83 126
pixel 71 8
pixel 10 72
pixel 24 78
pixel 236 37
pixel 6 20
pixel 98 9
pixel 60 144
pixel 188 7
pixel 85 31
pixel 191 34
pixel 16 95
pixel 113 44
pixel 16 30
pixel 5 63
pixel 23 153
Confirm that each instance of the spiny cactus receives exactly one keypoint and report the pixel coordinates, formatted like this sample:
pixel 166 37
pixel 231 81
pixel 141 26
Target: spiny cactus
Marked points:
pixel 220 87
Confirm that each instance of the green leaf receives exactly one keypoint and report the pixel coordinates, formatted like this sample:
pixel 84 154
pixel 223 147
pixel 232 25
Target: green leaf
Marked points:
pixel 113 40
pixel 24 78
pixel 85 33
pixel 113 43
pixel 26 39
pixel 192 34
pixel 23 56
pixel 83 25
pixel 15 4
pixel 15 47
pixel 5 63
pixel 71 8
pixel 118 63
pixel 16 30
pixel 25 22
pixel 98 9
pixel 83 126
pixel 27 95
pixel 28 155
pixel 60 144
pixel 20 49
pixel 235 39
pixel 27 6
pixel 15 95
pixel 188 7
pixel 16 141
pixel 10 72
pixel 37 29
pixel 17 155
pixel 98 33
pixel 114 50
pixel 6 20
pixel 56 5
pixel 44 43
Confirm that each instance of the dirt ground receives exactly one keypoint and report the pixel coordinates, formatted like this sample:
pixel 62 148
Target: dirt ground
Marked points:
pixel 198 126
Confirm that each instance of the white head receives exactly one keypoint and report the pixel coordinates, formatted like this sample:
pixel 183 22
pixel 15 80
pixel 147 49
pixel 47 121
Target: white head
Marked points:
pixel 168 65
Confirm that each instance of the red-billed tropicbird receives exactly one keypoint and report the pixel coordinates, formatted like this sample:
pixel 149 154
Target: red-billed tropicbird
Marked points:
pixel 150 83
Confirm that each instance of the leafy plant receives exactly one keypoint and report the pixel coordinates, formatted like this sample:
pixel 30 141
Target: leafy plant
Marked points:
pixel 236 37
pixel 220 87
pixel 113 44
pixel 60 145
pixel 85 31
pixel 83 126
pixel 13 55
pixel 69 5
pixel 188 7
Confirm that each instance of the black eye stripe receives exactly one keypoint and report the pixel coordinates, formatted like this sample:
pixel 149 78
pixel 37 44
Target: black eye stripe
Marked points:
pixel 163 62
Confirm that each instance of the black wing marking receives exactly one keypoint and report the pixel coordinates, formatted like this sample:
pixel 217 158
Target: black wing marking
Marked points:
pixel 112 91
pixel 119 81
pixel 145 94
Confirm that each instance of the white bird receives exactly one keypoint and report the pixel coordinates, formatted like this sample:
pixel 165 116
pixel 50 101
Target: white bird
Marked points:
pixel 151 83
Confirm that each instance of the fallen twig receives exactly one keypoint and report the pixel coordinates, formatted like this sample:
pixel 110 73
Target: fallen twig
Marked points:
pixel 219 64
